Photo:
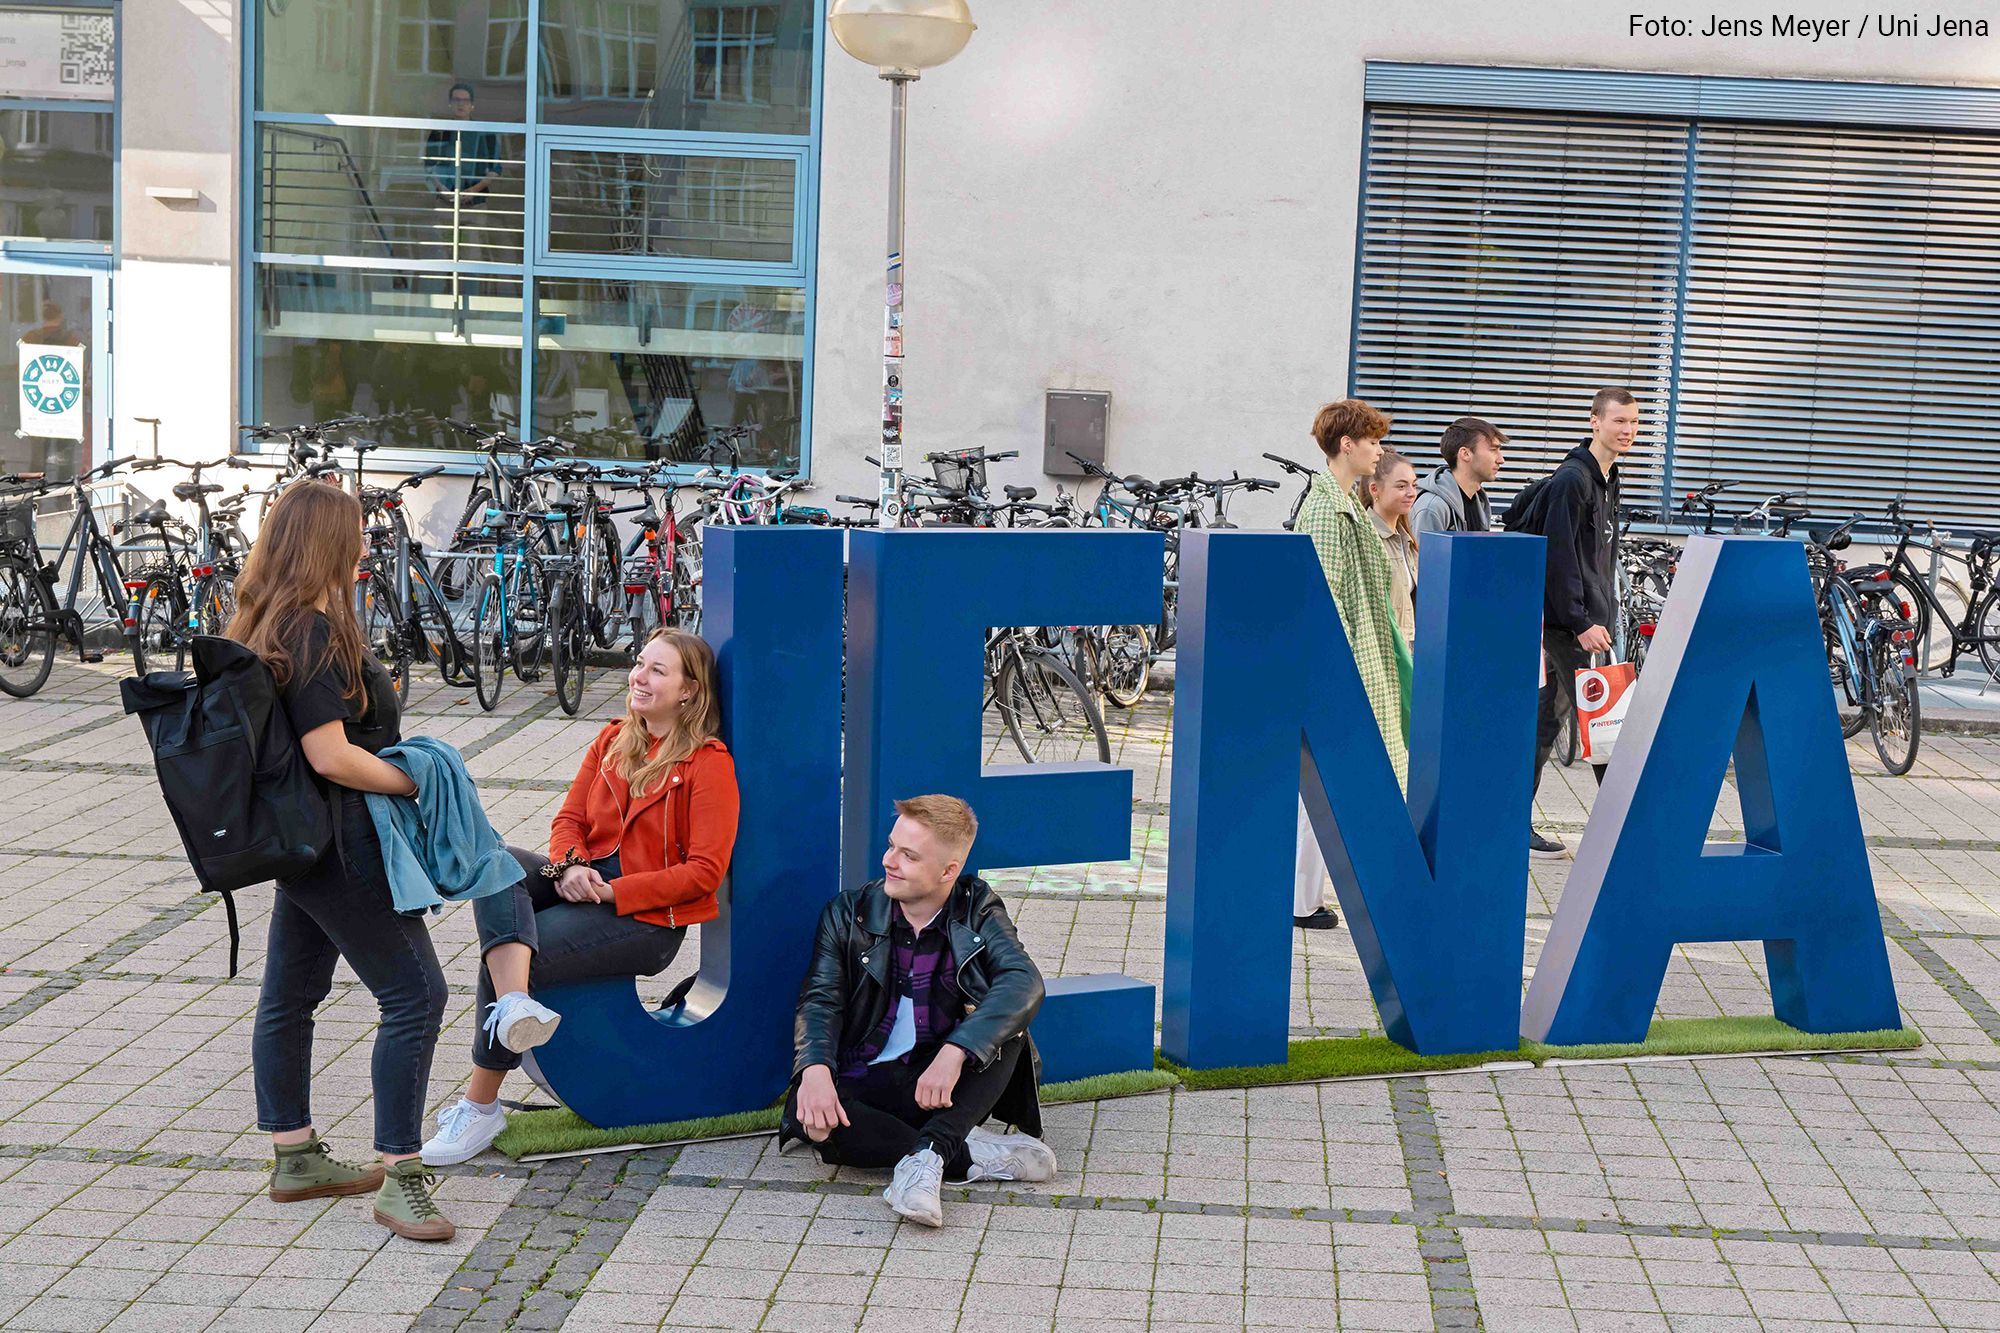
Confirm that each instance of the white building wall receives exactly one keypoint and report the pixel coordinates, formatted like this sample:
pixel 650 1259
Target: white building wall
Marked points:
pixel 1158 198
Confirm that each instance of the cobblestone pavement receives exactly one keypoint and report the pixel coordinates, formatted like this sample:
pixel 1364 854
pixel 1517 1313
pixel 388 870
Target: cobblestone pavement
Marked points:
pixel 1739 1193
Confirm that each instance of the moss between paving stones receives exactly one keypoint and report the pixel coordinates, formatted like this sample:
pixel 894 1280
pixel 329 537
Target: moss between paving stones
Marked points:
pixel 532 1133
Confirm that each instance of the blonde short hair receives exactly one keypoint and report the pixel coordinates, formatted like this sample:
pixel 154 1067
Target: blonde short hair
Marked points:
pixel 948 817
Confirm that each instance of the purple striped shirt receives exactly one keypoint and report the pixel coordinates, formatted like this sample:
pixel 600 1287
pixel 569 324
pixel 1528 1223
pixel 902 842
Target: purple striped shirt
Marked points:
pixel 921 967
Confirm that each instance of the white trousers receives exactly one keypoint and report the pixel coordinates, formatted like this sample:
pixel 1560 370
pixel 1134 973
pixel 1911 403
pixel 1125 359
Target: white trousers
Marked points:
pixel 1308 871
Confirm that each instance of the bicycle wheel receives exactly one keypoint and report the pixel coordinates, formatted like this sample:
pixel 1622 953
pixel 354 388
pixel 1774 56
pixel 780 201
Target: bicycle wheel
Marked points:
pixel 1933 642
pixel 528 609
pixel 159 624
pixel 430 633
pixel 1125 663
pixel 489 641
pixel 27 629
pixel 687 589
pixel 1895 720
pixel 1048 712
pixel 216 602
pixel 382 630
pixel 455 578
pixel 1847 687
pixel 604 583
pixel 569 639
pixel 1987 626
pixel 1569 746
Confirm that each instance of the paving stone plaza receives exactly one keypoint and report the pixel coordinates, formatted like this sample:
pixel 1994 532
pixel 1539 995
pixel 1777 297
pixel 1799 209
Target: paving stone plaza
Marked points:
pixel 1855 1191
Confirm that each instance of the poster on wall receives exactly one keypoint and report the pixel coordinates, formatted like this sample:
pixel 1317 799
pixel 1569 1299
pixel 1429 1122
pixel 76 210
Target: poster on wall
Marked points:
pixel 51 391
pixel 54 54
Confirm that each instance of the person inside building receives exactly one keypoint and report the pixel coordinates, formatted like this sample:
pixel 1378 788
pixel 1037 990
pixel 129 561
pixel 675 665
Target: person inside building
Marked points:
pixel 1576 509
pixel 912 1027
pixel 636 856
pixel 1453 498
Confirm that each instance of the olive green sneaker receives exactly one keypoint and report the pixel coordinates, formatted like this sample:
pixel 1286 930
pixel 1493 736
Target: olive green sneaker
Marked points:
pixel 404 1203
pixel 309 1171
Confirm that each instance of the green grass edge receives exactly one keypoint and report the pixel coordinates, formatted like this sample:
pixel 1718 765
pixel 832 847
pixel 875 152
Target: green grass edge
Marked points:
pixel 562 1130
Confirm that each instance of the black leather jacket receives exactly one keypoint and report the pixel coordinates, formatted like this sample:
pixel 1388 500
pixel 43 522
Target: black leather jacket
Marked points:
pixel 845 994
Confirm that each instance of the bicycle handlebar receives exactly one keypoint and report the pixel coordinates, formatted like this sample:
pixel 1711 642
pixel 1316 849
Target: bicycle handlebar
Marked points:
pixel 1296 469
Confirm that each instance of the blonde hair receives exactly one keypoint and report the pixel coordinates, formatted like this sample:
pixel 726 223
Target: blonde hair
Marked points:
pixel 1385 468
pixel 948 817
pixel 693 725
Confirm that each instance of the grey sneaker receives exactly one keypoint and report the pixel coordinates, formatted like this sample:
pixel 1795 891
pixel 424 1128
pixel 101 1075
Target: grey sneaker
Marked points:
pixel 1020 1157
pixel 913 1193
pixel 1545 848
pixel 519 1023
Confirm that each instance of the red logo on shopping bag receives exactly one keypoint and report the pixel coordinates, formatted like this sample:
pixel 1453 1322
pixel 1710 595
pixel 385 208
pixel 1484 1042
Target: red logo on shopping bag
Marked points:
pixel 1602 696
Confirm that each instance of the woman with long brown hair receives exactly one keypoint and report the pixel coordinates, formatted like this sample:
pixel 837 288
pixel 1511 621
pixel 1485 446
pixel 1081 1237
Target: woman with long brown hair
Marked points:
pixel 294 608
pixel 636 855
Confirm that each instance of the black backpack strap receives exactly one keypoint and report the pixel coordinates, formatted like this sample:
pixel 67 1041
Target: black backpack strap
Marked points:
pixel 235 932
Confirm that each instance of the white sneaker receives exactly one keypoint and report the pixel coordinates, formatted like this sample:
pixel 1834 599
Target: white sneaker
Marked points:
pixel 519 1023
pixel 913 1193
pixel 1020 1157
pixel 464 1132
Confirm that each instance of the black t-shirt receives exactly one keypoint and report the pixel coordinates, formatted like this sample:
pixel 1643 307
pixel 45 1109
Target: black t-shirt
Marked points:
pixel 313 698
pixel 1475 517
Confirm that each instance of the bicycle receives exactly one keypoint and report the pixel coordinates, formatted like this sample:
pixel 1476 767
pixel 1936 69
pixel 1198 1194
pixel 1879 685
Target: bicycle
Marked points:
pixel 404 616
pixel 1870 654
pixel 510 626
pixel 1975 629
pixel 1305 475
pixel 31 616
pixel 1039 701
pixel 190 591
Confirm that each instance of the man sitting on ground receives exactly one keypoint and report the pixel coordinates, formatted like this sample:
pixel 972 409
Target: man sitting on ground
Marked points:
pixel 913 1023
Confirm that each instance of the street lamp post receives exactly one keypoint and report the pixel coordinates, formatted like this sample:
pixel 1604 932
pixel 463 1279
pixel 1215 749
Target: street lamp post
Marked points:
pixel 901 38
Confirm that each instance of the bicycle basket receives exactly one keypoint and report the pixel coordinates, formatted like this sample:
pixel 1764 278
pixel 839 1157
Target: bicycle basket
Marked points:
pixel 17 524
pixel 960 470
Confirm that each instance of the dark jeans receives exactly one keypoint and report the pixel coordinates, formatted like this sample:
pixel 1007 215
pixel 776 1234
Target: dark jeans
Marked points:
pixel 1565 657
pixel 572 942
pixel 342 909
pixel 885 1124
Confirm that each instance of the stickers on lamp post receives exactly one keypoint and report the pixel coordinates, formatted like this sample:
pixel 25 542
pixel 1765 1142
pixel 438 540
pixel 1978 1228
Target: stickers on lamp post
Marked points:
pixel 51 391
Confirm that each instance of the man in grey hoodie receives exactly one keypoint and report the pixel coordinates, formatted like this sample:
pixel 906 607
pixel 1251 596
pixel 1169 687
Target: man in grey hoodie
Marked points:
pixel 1453 498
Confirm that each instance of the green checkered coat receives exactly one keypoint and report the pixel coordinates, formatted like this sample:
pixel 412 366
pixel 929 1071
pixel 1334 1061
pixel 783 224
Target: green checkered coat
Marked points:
pixel 1357 570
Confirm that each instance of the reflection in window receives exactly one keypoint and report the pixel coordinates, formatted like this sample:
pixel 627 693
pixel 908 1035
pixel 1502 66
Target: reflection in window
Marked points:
pixel 437 194
pixel 55 174
pixel 392 57
pixel 733 53
pixel 672 204
pixel 672 65
pixel 649 370
pixel 411 348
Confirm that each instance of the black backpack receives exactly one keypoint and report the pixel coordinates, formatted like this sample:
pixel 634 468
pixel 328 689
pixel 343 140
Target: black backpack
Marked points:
pixel 248 806
pixel 1525 513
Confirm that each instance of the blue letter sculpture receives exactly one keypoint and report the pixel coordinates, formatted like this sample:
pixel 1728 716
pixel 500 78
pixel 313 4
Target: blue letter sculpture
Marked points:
pixel 1269 705
pixel 1738 666
pixel 920 602
pixel 772 609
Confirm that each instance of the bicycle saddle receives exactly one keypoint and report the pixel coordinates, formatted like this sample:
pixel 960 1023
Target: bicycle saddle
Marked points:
pixel 1831 540
pixel 1019 492
pixel 1985 537
pixel 188 490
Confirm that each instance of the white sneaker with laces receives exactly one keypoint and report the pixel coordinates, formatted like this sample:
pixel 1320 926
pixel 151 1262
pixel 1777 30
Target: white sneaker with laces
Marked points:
pixel 519 1022
pixel 1020 1157
pixel 913 1193
pixel 464 1132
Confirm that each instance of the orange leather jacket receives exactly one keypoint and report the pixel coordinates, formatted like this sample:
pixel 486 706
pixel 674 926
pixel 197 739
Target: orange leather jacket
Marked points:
pixel 673 843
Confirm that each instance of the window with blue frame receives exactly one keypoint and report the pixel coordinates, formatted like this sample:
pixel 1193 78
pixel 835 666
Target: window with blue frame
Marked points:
pixel 606 236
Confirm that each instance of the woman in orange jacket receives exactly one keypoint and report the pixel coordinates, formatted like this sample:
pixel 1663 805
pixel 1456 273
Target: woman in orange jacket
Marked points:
pixel 636 855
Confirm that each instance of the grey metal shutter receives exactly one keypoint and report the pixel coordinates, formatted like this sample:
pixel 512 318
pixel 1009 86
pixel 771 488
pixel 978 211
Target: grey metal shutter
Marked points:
pixel 1511 264
pixel 1843 319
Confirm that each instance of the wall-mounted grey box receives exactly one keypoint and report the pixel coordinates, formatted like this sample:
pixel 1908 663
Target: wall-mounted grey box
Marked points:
pixel 1073 424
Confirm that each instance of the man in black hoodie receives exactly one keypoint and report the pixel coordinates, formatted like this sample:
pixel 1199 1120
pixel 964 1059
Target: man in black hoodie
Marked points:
pixel 1576 509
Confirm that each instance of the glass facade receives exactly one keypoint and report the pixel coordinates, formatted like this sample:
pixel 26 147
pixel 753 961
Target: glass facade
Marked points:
pixel 641 222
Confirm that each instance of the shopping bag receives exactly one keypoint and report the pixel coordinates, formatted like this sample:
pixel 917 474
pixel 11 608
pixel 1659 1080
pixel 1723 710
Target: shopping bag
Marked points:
pixel 1603 693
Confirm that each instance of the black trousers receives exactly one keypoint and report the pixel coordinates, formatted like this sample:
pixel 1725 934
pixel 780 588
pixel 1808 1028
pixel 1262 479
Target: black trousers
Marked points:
pixel 1558 699
pixel 885 1124
pixel 342 908
pixel 571 941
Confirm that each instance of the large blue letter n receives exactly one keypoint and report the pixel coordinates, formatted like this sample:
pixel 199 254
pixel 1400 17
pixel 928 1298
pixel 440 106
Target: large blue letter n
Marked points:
pixel 1269 707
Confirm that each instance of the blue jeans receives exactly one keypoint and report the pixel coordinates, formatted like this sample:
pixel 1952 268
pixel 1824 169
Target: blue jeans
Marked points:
pixel 342 908
pixel 571 942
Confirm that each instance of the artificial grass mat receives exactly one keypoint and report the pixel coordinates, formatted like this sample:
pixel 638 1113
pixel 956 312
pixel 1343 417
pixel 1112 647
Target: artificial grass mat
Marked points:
pixel 559 1130
pixel 534 1133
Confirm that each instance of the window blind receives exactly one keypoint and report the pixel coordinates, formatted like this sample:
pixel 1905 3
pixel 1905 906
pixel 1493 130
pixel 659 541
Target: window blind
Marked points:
pixel 1840 335
pixel 1510 265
